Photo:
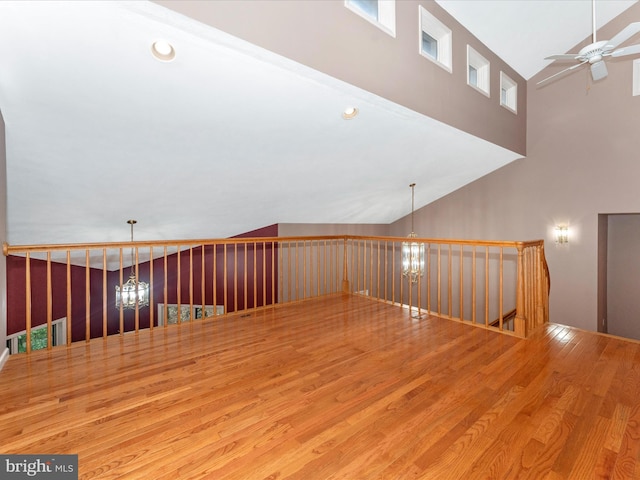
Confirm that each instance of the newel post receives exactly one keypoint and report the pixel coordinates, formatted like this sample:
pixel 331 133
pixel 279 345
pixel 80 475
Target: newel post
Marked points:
pixel 520 327
pixel 345 272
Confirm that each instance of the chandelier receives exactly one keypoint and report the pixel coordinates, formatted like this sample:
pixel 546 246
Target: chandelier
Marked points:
pixel 133 293
pixel 412 252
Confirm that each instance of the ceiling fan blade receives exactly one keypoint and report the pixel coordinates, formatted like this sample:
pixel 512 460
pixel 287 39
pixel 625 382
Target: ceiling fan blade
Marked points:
pixel 630 50
pixel 566 70
pixel 624 34
pixel 563 56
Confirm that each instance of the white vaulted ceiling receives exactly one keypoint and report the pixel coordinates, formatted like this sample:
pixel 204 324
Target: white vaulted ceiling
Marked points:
pixel 98 131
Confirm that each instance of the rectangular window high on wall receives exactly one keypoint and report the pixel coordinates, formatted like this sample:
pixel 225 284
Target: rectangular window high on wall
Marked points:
pixel 473 75
pixel 508 93
pixel 382 13
pixel 435 39
pixel 429 45
pixel 477 71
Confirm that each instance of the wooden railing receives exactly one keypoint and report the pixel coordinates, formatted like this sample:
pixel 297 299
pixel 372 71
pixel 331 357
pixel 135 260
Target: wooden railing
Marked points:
pixel 74 285
pixel 470 281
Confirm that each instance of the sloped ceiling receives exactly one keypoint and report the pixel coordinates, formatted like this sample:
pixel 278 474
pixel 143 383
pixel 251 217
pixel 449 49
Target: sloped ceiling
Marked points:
pixel 99 132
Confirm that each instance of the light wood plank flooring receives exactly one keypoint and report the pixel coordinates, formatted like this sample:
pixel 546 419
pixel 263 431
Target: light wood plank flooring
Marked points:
pixel 335 388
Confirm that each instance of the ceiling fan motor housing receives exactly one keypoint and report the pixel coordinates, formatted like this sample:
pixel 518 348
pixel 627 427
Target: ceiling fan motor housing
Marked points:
pixel 593 53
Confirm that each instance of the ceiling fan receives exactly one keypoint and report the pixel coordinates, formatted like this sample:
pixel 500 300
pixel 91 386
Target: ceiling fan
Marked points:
pixel 595 53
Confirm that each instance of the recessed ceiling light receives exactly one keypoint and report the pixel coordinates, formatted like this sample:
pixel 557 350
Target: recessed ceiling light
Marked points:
pixel 349 113
pixel 163 51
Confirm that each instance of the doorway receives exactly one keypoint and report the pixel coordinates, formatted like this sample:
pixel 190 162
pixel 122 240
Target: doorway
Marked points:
pixel 619 274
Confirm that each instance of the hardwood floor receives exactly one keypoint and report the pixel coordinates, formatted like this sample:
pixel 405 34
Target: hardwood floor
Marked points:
pixel 336 388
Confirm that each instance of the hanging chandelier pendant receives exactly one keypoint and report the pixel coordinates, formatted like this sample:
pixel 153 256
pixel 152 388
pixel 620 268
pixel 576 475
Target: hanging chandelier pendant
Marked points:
pixel 132 294
pixel 412 252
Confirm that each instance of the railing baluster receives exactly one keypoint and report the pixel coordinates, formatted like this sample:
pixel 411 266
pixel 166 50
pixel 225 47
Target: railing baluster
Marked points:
pixel 165 313
pixel 105 332
pixel 225 282
pixel 179 286
pixel 203 282
pixel 137 306
pixel 214 269
pixel 473 285
pixel 393 276
pixel 461 282
pixel 87 298
pixel 255 275
pixel 49 304
pixel 378 273
pixel 368 287
pixel 245 284
pixel 28 301
pixel 439 278
pixel 121 309
pixel 419 293
pixel 428 273
pixel 69 301
pixel 304 269
pixel 264 274
pixel 324 265
pixel 235 277
pixel 280 262
pixel 346 288
pixel 486 286
pixel 273 271
pixel 520 326
pixel 450 283
pixel 151 297
pixel 318 268
pixel 501 289
pixel 191 313
pixel 386 269
pixel 288 297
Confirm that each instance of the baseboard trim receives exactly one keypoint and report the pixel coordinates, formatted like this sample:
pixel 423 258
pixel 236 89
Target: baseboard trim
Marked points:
pixel 4 356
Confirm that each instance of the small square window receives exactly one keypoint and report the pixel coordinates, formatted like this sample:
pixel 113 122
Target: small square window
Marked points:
pixel 435 39
pixel 477 71
pixel 473 76
pixel 381 13
pixel 508 93
pixel 367 7
pixel 429 45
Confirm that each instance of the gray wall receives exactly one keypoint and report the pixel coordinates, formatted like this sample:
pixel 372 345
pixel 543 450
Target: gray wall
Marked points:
pixel 4 352
pixel 582 161
pixel 623 275
pixel 328 37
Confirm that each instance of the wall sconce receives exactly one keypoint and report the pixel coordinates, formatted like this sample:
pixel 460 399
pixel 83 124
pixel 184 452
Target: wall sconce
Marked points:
pixel 562 234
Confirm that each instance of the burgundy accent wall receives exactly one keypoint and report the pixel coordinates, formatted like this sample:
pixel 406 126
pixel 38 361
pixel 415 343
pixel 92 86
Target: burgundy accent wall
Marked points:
pixel 235 299
pixel 269 231
pixel 16 299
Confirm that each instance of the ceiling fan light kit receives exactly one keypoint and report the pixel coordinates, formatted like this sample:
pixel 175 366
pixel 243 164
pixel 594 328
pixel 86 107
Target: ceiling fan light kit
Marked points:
pixel 595 53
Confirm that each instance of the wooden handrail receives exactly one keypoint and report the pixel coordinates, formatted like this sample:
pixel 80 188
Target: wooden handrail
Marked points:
pixel 9 249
